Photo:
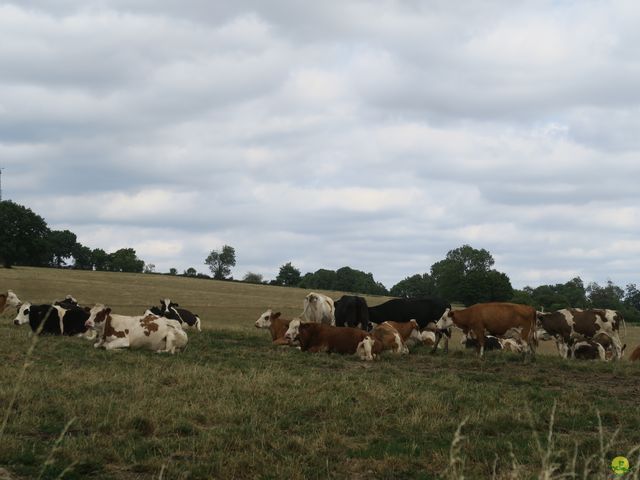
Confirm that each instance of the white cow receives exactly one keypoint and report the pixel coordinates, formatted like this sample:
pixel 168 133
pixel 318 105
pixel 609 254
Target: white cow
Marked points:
pixel 9 299
pixel 318 308
pixel 147 331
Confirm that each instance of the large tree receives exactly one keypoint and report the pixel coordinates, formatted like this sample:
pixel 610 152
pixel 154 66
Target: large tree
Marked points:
pixel 221 262
pixel 23 236
pixel 62 243
pixel 289 276
pixel 416 286
pixel 466 276
pixel 125 260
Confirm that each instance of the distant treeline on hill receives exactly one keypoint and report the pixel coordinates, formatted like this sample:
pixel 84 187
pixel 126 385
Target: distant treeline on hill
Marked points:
pixel 466 275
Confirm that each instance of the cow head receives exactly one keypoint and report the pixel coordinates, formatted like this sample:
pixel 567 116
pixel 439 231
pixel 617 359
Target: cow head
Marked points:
pixel 294 330
pixel 264 321
pixel 364 349
pixel 428 337
pixel 97 316
pixel 12 299
pixel 446 320
pixel 23 314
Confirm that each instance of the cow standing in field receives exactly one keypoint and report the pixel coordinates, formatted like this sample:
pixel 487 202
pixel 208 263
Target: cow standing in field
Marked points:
pixel 318 308
pixel 277 326
pixel 8 299
pixel 574 324
pixel 352 311
pixel 147 331
pixel 495 319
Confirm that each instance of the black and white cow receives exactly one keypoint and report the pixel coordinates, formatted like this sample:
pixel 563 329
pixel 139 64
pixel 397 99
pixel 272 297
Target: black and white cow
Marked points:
pixel 170 310
pixel 53 319
pixel 570 325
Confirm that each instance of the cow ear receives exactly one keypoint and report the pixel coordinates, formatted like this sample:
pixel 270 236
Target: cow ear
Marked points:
pixel 107 310
pixel 276 315
pixel 87 309
pixel 174 304
pixel 450 314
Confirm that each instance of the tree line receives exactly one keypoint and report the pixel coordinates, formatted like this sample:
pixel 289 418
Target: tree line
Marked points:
pixel 466 275
pixel 26 239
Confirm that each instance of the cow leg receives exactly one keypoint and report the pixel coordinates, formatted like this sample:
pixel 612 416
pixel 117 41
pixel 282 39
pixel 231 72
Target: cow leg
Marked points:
pixel 479 332
pixel 280 341
pixel 400 348
pixel 617 346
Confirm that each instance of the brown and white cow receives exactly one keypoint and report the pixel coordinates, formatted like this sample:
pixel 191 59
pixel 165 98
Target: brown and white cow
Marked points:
pixel 494 319
pixel 277 326
pixel 147 331
pixel 569 325
pixel 319 337
pixel 8 299
pixel 384 336
pixel 318 308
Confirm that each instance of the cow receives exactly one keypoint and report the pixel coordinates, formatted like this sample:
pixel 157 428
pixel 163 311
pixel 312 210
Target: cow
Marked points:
pixel 587 350
pixel 170 310
pixel 511 345
pixel 318 308
pixel 570 324
pixel 53 319
pixel 147 331
pixel 490 342
pixel 635 355
pixel 8 299
pixel 384 337
pixel 67 302
pixel 495 319
pixel 352 311
pixel 277 326
pixel 320 337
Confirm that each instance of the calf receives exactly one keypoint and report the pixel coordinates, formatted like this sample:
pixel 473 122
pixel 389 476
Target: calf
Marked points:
pixel 147 331
pixel 277 326
pixel 319 337
pixel 170 310
pixel 8 299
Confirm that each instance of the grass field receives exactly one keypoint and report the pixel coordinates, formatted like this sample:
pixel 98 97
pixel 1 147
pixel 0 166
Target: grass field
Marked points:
pixel 233 406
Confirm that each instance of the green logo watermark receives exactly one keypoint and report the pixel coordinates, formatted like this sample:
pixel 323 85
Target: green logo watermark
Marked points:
pixel 620 465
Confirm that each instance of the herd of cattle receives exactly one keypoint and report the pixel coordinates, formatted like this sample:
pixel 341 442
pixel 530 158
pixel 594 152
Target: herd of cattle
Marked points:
pixel 347 326
pixel 350 326
pixel 158 328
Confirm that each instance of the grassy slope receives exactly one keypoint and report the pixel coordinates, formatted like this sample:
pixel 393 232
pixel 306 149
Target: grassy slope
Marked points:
pixel 232 406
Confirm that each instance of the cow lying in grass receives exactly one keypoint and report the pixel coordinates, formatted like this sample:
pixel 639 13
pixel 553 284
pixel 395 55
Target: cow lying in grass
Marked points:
pixel 320 337
pixel 277 326
pixel 171 310
pixel 8 299
pixel 54 319
pixel 147 331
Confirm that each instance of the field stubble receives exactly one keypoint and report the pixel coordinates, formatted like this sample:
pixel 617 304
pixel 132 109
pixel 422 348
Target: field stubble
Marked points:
pixel 233 406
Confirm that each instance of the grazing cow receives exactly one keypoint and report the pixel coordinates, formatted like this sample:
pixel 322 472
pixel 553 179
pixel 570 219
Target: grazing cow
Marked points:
pixel 352 311
pixel 428 337
pixel 493 318
pixel 8 299
pixel 147 331
pixel 635 355
pixel 320 337
pixel 170 310
pixel 318 308
pixel 277 325
pixel 570 324
pixel 53 319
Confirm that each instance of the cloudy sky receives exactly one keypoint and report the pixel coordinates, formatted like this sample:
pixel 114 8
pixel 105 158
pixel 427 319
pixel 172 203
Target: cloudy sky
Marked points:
pixel 373 134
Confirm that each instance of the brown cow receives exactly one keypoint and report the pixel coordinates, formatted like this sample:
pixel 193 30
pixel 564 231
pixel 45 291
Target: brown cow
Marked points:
pixel 495 319
pixel 635 355
pixel 384 337
pixel 320 337
pixel 277 325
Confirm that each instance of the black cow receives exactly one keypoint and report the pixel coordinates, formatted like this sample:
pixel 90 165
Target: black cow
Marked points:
pixel 170 310
pixel 352 311
pixel 55 320
pixel 423 310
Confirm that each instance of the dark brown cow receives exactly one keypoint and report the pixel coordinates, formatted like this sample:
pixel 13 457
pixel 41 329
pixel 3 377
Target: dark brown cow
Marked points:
pixel 320 337
pixel 573 324
pixel 495 319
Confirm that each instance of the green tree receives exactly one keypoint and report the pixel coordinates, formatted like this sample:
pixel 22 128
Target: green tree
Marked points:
pixel 289 276
pixel 321 279
pixel 221 262
pixel 605 297
pixel 62 243
pixel 466 275
pixel 173 271
pixel 149 268
pixel 190 272
pixel 100 259
pixel 23 236
pixel 416 286
pixel 252 277
pixel 125 260
pixel 83 258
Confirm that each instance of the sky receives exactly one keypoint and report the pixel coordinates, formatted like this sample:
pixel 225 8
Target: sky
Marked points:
pixel 372 134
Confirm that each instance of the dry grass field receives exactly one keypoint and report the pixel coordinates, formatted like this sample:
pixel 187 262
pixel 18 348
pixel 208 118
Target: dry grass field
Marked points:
pixel 233 406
